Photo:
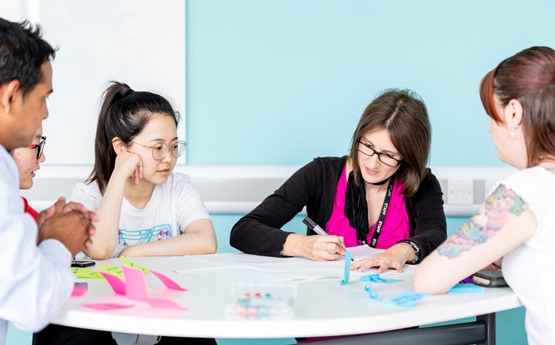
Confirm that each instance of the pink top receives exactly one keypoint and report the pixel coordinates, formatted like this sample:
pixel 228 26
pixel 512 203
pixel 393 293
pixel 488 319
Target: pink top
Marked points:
pixel 396 225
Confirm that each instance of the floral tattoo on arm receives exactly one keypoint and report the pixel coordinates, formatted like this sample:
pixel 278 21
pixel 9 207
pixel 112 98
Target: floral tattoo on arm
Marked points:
pixel 495 213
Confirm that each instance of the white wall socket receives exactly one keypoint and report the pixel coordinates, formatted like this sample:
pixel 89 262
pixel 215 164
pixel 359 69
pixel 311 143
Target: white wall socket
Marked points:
pixel 460 192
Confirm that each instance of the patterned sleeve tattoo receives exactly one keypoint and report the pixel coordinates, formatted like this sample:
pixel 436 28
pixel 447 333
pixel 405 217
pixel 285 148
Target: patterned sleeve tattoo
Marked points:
pixel 495 213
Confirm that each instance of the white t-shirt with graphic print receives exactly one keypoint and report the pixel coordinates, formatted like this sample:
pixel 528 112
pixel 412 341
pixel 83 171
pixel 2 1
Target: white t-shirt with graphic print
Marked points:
pixel 172 207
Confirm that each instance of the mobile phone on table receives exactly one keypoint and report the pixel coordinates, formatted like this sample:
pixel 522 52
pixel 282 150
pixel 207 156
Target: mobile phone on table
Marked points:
pixel 489 278
pixel 82 263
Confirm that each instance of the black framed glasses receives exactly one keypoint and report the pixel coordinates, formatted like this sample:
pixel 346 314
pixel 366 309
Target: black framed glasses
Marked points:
pixel 39 146
pixel 160 150
pixel 385 158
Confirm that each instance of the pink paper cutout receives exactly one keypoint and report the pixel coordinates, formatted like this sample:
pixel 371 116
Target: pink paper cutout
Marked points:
pixel 163 303
pixel 168 282
pixel 135 287
pixel 135 283
pixel 78 291
pixel 106 306
pixel 116 284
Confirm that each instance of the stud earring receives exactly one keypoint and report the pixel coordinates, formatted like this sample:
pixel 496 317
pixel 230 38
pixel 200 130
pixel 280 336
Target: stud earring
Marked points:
pixel 513 132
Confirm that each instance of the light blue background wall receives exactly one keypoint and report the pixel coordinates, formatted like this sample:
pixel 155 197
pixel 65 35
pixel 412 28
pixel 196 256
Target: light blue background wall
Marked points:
pixel 282 81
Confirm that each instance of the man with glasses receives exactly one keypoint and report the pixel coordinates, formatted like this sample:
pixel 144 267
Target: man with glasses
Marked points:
pixel 28 160
pixel 40 146
pixel 36 279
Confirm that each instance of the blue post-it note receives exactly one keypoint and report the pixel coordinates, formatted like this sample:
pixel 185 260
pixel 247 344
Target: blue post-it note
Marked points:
pixel 347 268
pixel 467 288
pixel 376 278
pixel 406 299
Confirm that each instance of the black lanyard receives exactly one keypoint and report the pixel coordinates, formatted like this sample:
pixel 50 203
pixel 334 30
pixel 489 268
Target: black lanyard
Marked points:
pixel 379 225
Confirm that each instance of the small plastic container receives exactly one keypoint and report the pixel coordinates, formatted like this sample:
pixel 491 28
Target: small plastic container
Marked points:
pixel 261 301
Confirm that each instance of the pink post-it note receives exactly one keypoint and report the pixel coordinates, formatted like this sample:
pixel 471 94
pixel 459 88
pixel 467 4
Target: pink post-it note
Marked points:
pixel 163 303
pixel 79 289
pixel 167 281
pixel 117 284
pixel 135 283
pixel 106 306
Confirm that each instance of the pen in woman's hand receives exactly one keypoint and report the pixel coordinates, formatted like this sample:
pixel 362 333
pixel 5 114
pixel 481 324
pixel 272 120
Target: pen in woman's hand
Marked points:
pixel 317 229
pixel 313 226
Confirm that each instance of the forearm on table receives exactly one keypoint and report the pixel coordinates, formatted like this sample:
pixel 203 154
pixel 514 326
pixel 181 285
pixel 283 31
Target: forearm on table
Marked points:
pixel 186 244
pixel 293 245
pixel 462 255
pixel 108 212
pixel 251 236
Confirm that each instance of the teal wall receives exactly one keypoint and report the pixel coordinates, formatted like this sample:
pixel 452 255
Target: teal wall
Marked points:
pixel 281 81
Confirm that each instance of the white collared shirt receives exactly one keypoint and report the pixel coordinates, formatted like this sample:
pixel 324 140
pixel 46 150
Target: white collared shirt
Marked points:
pixel 35 281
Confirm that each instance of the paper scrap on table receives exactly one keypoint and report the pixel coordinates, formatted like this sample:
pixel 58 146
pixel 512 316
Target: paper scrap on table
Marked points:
pixel 78 290
pixel 467 288
pixel 376 278
pixel 406 299
pixel 85 273
pixel 347 268
pixel 125 261
pixel 163 303
pixel 167 281
pixel 275 271
pixel 106 306
pixel 372 293
pixel 134 287
pixel 112 269
pixel 135 283
pixel 116 270
pixel 115 282
pixel 410 298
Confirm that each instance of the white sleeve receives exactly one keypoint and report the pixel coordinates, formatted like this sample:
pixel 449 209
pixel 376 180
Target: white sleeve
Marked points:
pixel 87 194
pixel 35 280
pixel 536 187
pixel 188 202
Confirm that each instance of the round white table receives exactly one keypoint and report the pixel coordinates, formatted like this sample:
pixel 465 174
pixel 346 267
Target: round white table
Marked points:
pixel 323 307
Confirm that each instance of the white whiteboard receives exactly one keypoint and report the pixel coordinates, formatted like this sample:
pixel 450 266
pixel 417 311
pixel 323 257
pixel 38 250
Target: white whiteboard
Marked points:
pixel 139 42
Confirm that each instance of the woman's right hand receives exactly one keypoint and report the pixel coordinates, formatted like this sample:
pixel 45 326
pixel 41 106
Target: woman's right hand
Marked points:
pixel 315 247
pixel 129 165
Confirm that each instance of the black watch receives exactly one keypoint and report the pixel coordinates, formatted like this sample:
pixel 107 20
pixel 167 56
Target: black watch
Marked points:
pixel 415 248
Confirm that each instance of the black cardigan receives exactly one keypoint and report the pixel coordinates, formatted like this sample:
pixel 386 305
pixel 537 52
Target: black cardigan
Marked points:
pixel 314 186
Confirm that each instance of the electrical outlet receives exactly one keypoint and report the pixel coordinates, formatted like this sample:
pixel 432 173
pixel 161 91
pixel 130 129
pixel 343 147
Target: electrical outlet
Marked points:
pixel 460 192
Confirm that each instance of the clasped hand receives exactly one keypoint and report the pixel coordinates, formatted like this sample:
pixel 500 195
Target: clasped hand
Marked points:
pixel 69 223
